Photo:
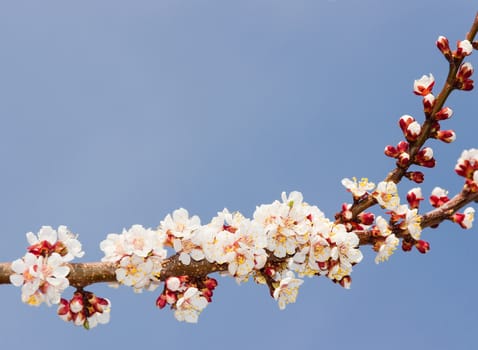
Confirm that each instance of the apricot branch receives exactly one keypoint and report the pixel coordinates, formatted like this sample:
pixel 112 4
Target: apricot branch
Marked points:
pixel 283 239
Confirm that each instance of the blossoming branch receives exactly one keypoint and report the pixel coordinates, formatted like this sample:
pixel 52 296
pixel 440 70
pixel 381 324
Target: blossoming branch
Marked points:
pixel 283 242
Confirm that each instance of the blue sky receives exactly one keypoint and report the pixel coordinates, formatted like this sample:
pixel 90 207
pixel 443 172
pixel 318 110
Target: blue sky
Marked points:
pixel 115 113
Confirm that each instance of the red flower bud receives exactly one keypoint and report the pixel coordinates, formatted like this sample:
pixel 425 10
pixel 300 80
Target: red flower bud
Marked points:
pixel 444 113
pixel 444 46
pixel 422 246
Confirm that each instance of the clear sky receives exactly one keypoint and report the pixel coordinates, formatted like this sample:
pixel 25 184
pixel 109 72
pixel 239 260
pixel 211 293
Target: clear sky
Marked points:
pixel 116 113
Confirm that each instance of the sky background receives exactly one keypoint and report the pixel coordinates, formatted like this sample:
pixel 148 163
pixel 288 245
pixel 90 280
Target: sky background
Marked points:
pixel 116 113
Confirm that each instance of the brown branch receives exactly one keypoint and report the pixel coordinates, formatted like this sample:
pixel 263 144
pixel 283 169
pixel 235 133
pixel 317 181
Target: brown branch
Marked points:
pixel 83 274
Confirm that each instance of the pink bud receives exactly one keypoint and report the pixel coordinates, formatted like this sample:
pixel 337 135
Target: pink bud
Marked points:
pixel 466 85
pixel 414 196
pixel 405 121
pixel 403 159
pixel 447 136
pixel 210 283
pixel 63 307
pixel 438 197
pixel 402 146
pixel 366 218
pixel 444 113
pixel 346 213
pixel 391 151
pixel 422 246
pixel 465 71
pixel 444 46
pixel 76 304
pixel 428 102
pixel 413 131
pixel 161 301
pixel 464 48
pixel 345 282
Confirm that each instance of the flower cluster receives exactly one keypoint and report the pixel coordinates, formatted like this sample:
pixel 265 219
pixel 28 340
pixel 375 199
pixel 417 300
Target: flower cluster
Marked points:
pixel 138 253
pixel 402 217
pixel 284 236
pixel 85 309
pixel 42 272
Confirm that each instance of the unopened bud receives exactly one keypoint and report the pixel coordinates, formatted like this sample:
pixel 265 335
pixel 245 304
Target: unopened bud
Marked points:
pixel 422 246
pixel 464 48
pixel 444 46
pixel 447 136
pixel 444 113
pixel 403 159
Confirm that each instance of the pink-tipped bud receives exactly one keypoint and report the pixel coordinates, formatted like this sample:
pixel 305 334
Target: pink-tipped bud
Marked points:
pixel 438 197
pixel 413 131
pixel 444 113
pixel 428 102
pixel 391 151
pixel 425 157
pixel 405 121
pixel 76 303
pixel 403 159
pixel 424 85
pixel 346 213
pixel 465 71
pixel 63 308
pixel 345 282
pixel 447 136
pixel 466 85
pixel 161 301
pixel 414 196
pixel 444 46
pixel 402 146
pixel 210 283
pixel 422 246
pixel 464 48
pixel 366 218
pixel 206 293
pixel 415 176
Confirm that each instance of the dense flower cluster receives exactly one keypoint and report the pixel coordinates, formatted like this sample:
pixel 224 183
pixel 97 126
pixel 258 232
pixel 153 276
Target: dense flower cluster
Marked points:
pixel 42 272
pixel 139 253
pixel 284 236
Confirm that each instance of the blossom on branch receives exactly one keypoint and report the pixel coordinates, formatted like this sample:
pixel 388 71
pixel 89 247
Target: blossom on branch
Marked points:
pixel 42 279
pixel 190 305
pixel 386 195
pixel 139 253
pixel 287 291
pixel 424 85
pixel 358 188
